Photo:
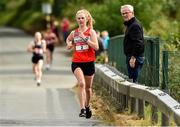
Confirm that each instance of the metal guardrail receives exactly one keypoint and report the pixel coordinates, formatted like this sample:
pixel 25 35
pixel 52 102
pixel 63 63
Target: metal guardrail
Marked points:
pixel 116 85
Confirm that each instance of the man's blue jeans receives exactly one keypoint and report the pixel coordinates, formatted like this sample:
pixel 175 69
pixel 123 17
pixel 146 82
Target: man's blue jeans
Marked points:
pixel 134 72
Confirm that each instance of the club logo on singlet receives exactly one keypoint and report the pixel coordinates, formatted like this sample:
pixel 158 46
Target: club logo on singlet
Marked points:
pixel 80 45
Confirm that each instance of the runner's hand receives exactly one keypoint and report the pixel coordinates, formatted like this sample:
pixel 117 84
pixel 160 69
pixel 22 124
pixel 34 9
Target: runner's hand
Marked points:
pixel 132 62
pixel 69 46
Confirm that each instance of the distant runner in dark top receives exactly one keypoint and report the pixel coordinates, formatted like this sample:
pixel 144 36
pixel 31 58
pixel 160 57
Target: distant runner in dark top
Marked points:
pixel 37 47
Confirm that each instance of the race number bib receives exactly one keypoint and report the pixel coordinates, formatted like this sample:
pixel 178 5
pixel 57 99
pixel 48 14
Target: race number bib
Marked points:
pixel 82 47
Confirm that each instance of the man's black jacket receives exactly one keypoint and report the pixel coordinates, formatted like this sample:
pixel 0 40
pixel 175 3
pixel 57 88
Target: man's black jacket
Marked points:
pixel 133 40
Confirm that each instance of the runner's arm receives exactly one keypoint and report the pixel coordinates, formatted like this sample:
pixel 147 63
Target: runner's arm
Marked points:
pixel 30 47
pixel 69 41
pixel 55 39
pixel 93 42
pixel 44 45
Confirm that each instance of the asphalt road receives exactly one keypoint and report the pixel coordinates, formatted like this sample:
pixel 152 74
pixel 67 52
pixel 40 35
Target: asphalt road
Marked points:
pixel 22 103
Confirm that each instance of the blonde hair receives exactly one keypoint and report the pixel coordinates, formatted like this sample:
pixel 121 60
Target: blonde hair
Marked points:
pixel 130 7
pixel 37 34
pixel 88 16
pixel 105 33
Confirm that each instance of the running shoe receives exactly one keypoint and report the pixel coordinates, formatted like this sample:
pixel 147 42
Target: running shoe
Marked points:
pixel 38 83
pixel 48 67
pixel 82 113
pixel 88 112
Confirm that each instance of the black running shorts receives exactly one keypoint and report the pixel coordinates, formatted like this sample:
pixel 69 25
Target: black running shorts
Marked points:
pixel 88 68
pixel 36 58
pixel 50 47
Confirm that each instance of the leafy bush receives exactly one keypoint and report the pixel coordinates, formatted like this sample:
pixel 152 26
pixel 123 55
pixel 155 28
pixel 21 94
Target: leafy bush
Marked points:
pixel 100 59
pixel 173 74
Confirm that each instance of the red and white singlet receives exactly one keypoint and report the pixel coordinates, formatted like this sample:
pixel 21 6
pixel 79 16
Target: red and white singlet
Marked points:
pixel 82 51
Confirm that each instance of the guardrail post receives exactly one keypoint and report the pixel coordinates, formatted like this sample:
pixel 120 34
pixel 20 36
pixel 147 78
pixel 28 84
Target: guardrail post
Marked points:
pixel 164 87
pixel 165 71
pixel 133 104
pixel 165 120
pixel 141 108
pixel 126 100
pixel 154 115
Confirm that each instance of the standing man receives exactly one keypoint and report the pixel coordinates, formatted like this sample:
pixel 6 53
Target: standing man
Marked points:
pixel 133 42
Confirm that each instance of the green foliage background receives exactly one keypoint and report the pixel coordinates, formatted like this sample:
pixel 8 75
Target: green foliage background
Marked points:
pixel 159 17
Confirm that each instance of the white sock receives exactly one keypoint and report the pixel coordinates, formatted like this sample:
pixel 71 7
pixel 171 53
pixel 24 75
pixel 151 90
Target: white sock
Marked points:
pixel 38 81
